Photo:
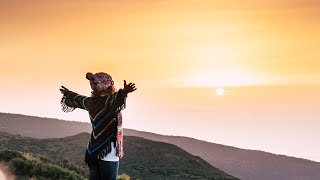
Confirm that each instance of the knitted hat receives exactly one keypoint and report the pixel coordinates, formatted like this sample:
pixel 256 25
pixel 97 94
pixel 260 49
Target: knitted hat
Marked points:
pixel 99 81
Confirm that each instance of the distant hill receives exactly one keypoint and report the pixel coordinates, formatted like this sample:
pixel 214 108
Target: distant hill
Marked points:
pixel 144 159
pixel 41 128
pixel 241 163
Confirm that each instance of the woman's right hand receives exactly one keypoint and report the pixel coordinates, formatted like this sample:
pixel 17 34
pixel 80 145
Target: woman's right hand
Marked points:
pixel 64 90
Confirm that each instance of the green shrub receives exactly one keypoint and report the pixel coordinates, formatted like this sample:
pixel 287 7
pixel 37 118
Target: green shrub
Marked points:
pixel 26 165
pixel 123 176
pixel 6 155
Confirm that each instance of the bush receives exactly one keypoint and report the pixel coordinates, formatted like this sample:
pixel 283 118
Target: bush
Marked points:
pixel 6 155
pixel 25 165
pixel 36 168
pixel 123 176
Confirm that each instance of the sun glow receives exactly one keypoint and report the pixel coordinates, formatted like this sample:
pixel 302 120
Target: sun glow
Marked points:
pixel 219 91
pixel 220 65
pixel 223 76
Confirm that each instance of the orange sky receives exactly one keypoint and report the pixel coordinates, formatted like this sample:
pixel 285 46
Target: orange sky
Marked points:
pixel 265 53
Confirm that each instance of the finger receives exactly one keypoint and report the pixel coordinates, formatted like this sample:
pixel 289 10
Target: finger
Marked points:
pixel 129 84
pixel 64 88
pixel 124 82
pixel 134 89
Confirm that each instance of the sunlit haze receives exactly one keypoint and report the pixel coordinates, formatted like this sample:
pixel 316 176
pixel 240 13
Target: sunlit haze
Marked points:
pixel 264 54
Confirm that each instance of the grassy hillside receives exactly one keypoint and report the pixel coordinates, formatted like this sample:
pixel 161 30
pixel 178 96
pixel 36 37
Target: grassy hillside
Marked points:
pixel 242 163
pixel 144 159
pixel 27 166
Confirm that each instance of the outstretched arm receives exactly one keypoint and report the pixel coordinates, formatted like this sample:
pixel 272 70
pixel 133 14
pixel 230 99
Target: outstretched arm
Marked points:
pixel 117 100
pixel 72 100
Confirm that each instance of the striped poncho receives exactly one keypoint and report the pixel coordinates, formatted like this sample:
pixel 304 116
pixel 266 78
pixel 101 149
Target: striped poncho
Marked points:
pixel 106 119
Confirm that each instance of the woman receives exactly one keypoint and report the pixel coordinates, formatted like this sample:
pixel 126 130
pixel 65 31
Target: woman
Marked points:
pixel 105 146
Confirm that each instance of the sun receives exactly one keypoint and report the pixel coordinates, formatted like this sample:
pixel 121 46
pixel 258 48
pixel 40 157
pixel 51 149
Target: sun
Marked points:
pixel 219 91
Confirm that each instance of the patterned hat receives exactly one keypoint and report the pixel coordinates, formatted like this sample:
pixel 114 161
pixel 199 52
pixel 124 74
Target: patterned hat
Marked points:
pixel 99 81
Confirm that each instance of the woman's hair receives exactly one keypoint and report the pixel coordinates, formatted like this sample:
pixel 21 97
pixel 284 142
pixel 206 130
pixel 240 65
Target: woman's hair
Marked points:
pixel 106 92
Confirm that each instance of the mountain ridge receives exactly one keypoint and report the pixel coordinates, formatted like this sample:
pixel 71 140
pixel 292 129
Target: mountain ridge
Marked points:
pixel 160 160
pixel 241 163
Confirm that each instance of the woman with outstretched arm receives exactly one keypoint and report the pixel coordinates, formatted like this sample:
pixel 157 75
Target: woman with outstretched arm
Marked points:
pixel 105 146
